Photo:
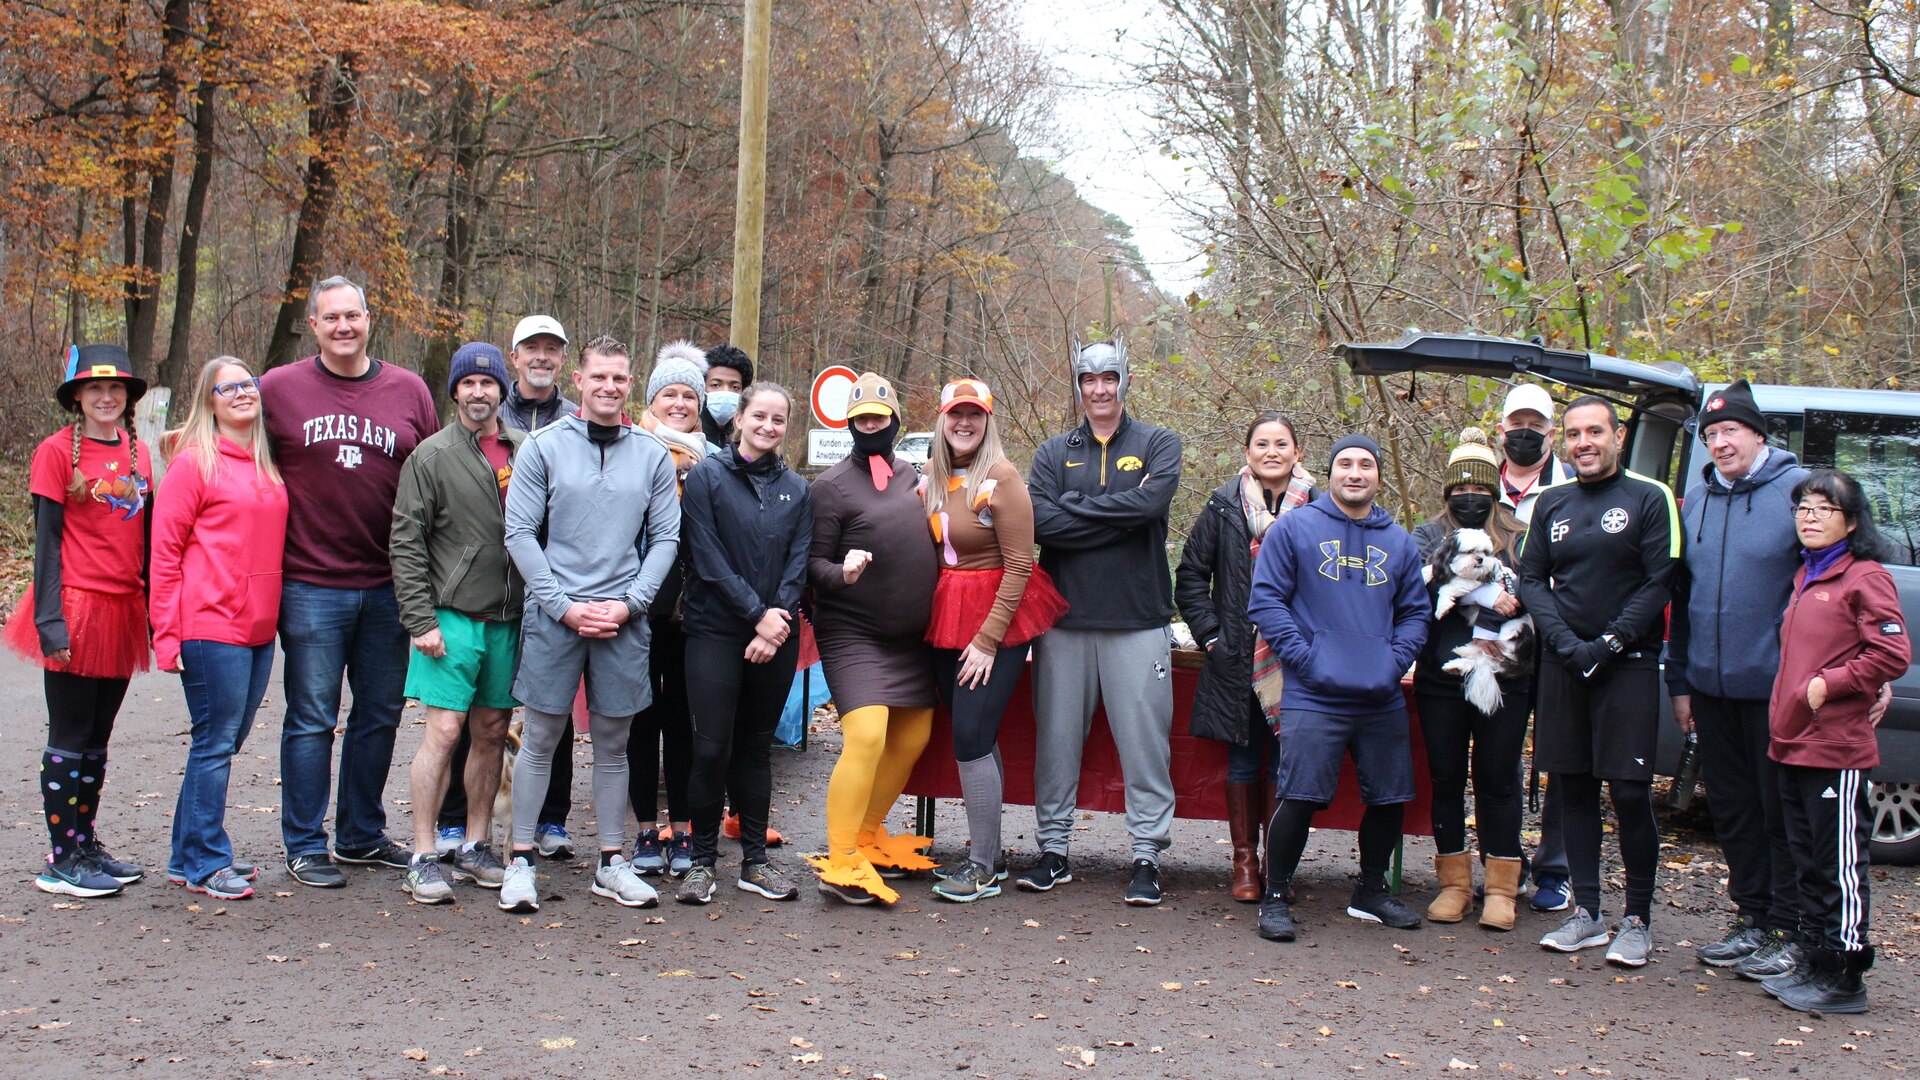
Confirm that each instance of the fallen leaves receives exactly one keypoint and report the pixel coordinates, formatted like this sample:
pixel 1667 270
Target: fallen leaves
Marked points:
pixel 564 1042
pixel 416 1053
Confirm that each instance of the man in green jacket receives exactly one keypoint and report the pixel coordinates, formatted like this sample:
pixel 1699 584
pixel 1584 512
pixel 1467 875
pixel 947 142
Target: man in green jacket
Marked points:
pixel 460 599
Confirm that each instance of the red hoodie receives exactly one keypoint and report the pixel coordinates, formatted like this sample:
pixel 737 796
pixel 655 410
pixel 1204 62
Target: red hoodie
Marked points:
pixel 1844 626
pixel 217 552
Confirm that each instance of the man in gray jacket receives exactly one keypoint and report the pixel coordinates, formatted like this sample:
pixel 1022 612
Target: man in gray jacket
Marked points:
pixel 533 399
pixel 459 599
pixel 1723 651
pixel 593 523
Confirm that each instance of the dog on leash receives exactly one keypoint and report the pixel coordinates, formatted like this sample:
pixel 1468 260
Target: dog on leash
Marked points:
pixel 1475 580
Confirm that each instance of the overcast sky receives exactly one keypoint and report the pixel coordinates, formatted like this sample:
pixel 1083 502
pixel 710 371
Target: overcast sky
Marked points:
pixel 1108 146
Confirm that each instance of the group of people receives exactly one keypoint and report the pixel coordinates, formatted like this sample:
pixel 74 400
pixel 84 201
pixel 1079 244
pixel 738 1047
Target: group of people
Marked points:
pixel 537 551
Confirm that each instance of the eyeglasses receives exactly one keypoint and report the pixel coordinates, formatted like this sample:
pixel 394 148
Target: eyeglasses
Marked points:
pixel 1816 513
pixel 244 386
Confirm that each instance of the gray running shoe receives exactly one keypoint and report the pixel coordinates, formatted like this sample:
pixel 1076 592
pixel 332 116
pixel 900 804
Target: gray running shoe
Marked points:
pixel 1779 956
pixel 1742 939
pixel 223 884
pixel 1580 931
pixel 617 882
pixel 520 888
pixel 767 880
pixel 479 865
pixel 697 886
pixel 972 881
pixel 426 881
pixel 1001 870
pixel 1632 943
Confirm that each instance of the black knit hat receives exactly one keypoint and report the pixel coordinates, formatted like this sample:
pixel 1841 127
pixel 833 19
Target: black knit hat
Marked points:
pixel 734 357
pixel 1357 440
pixel 1733 402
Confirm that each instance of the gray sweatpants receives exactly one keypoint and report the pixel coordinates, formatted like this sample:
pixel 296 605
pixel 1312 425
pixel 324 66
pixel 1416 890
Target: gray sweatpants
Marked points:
pixel 533 772
pixel 1131 672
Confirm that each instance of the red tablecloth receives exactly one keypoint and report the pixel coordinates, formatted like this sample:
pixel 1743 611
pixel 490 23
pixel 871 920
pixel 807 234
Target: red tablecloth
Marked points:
pixel 1199 766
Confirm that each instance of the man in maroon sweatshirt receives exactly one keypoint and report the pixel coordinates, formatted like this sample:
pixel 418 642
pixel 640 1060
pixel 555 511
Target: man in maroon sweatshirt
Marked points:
pixel 342 424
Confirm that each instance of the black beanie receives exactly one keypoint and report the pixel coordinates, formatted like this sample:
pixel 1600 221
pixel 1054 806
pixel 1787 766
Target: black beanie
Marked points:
pixel 1733 402
pixel 734 357
pixel 1361 441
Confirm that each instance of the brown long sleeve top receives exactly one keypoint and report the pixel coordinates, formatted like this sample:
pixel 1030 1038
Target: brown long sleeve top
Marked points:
pixel 996 532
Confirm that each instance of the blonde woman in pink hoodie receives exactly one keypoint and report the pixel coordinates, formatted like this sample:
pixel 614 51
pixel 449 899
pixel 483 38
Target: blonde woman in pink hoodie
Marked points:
pixel 219 528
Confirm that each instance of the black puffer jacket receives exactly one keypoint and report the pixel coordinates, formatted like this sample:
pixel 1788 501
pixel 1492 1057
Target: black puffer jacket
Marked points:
pixel 1210 585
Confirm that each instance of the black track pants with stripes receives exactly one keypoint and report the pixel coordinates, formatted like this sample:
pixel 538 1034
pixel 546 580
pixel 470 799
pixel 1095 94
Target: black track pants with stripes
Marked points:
pixel 1827 829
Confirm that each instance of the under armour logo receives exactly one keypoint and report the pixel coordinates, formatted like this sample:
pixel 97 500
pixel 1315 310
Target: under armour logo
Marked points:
pixel 784 497
pixel 1375 563
pixel 348 457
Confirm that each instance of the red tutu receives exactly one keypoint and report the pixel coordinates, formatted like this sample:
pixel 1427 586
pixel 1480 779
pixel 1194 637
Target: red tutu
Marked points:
pixel 963 598
pixel 107 632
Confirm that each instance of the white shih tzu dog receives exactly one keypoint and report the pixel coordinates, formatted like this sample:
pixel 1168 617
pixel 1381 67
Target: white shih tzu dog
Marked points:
pixel 1476 578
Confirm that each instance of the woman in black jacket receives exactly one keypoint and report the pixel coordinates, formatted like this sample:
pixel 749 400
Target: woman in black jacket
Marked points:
pixel 1460 738
pixel 1239 693
pixel 746 521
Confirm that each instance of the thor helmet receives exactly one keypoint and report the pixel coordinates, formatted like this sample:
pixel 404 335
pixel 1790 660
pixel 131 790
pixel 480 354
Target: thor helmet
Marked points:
pixel 1098 357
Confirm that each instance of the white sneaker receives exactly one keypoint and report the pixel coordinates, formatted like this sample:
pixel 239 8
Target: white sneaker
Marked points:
pixel 519 887
pixel 618 882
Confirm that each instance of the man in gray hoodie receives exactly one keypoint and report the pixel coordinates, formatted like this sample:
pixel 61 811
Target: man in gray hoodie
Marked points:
pixel 593 524
pixel 1723 651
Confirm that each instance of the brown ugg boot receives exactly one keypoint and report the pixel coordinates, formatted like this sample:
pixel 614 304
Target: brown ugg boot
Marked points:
pixel 1456 887
pixel 1244 803
pixel 1503 891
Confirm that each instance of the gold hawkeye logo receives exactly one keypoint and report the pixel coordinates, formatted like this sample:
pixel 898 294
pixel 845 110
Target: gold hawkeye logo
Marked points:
pixel 1129 464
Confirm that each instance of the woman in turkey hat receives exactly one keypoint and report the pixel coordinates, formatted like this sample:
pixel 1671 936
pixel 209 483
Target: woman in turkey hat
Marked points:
pixel 84 621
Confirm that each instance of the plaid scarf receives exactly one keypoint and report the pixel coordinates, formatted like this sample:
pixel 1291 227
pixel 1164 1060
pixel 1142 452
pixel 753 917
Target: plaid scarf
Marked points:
pixel 1268 679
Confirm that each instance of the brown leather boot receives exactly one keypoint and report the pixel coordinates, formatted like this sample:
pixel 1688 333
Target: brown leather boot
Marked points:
pixel 1244 802
pixel 1503 892
pixel 1456 887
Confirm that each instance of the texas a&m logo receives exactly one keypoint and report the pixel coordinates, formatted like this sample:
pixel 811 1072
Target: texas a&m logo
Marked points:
pixel 348 457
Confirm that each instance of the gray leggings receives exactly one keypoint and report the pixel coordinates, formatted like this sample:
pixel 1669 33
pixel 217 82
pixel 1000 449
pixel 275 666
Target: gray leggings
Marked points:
pixel 533 770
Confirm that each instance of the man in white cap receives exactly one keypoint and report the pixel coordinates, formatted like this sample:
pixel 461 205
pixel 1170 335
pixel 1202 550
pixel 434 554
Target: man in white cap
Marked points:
pixel 1527 465
pixel 533 398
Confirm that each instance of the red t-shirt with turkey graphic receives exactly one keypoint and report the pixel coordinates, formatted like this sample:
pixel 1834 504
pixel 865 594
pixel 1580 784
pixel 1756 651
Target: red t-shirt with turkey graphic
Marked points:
pixel 104 545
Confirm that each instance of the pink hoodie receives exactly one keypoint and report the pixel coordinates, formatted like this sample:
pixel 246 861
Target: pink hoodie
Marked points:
pixel 217 550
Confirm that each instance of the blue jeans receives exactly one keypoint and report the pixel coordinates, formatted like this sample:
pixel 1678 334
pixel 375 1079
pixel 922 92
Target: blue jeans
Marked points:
pixel 223 685
pixel 325 633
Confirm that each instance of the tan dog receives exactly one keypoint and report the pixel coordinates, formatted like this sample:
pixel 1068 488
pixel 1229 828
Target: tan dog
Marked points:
pixel 503 799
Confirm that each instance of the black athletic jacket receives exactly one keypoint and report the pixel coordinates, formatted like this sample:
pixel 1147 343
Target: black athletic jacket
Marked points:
pixel 745 527
pixel 1100 517
pixel 1599 558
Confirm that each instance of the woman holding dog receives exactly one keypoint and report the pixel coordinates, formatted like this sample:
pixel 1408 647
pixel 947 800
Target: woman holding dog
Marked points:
pixel 1238 698
pixel 1460 736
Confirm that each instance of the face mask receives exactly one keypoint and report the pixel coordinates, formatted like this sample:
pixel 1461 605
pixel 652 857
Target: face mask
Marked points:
pixel 878 443
pixel 1525 447
pixel 1471 511
pixel 722 405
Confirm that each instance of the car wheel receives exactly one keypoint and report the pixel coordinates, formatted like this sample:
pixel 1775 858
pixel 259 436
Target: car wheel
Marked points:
pixel 1896 823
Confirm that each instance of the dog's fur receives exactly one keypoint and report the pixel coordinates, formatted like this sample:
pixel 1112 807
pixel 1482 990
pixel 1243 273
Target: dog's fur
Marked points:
pixel 503 799
pixel 1468 560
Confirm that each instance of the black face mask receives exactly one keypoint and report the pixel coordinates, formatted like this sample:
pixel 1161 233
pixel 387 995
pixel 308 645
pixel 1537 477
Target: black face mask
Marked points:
pixel 1525 447
pixel 878 443
pixel 1471 511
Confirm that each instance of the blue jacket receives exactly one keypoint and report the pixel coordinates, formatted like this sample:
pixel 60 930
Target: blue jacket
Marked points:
pixel 1742 553
pixel 1342 604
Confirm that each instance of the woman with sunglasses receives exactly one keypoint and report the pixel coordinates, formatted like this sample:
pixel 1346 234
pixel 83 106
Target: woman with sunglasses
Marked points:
pixel 84 621
pixel 1842 638
pixel 219 528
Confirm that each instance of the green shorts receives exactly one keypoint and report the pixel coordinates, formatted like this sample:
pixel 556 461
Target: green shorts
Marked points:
pixel 477 670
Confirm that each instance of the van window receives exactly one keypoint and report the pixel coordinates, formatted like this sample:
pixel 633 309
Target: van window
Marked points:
pixel 1883 453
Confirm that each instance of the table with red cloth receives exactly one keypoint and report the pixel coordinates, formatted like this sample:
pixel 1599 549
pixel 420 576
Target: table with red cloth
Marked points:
pixel 1199 765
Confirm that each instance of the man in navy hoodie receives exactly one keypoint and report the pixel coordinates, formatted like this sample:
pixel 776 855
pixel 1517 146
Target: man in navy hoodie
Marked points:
pixel 1337 593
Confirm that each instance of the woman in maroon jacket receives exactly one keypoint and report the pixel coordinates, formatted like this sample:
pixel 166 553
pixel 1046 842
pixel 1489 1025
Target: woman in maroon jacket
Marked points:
pixel 1842 638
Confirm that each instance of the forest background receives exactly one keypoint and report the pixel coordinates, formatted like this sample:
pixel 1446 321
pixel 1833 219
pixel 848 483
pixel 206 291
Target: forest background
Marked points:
pixel 1732 186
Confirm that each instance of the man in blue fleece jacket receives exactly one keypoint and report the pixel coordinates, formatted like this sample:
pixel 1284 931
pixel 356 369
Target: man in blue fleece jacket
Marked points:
pixel 1338 595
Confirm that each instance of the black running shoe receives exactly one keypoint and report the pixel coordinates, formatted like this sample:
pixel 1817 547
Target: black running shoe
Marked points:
pixel 1144 889
pixel 317 871
pixel 1372 901
pixel 1276 914
pixel 123 872
pixel 1051 870
pixel 384 853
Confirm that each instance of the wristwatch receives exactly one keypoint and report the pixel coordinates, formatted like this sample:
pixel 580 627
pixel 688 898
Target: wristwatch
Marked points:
pixel 1613 644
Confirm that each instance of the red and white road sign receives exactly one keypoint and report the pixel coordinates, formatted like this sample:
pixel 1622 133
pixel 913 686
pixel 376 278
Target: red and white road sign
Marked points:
pixel 829 396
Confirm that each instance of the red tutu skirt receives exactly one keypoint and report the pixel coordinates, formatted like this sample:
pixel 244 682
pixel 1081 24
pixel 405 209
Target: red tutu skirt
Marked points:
pixel 107 633
pixel 963 598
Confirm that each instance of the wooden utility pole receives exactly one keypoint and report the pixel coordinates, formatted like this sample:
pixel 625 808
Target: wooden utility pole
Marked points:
pixel 750 200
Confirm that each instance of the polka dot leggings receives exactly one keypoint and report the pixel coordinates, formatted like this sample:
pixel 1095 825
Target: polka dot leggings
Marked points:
pixel 80 714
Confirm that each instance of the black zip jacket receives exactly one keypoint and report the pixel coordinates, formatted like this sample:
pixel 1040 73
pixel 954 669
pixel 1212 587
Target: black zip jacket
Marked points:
pixel 746 527
pixel 1599 558
pixel 1100 517
pixel 1211 585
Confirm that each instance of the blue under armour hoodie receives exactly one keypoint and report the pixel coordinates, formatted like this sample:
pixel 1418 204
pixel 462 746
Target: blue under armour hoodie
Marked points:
pixel 1342 604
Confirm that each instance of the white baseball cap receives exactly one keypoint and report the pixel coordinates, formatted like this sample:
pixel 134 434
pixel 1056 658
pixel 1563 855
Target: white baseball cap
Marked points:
pixel 1528 396
pixel 538 324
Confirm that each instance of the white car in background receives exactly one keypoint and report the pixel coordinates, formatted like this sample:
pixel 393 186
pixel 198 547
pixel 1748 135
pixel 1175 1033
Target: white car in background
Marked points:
pixel 914 447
